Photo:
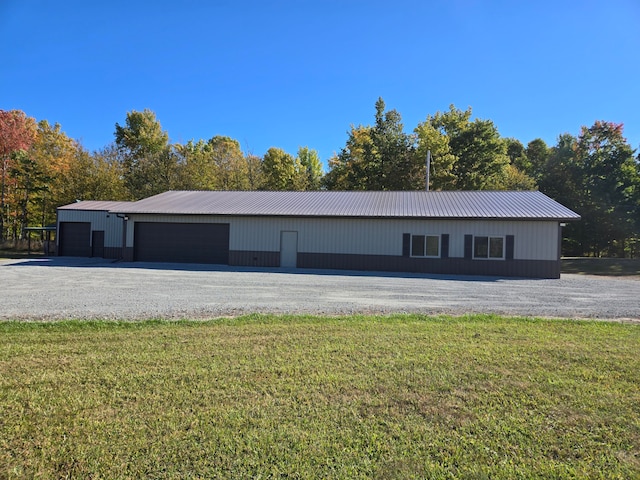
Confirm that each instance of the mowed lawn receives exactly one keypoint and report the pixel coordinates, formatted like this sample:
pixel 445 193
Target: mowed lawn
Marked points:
pixel 402 396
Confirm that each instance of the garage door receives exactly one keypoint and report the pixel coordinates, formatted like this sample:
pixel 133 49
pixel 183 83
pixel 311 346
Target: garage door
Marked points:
pixel 181 242
pixel 75 239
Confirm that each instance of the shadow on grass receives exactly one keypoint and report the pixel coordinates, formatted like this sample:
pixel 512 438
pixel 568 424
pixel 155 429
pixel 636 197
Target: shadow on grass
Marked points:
pixel 614 267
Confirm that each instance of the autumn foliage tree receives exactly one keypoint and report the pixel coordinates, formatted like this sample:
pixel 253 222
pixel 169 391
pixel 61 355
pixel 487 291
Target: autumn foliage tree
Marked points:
pixel 95 176
pixel 17 132
pixel 54 152
pixel 31 180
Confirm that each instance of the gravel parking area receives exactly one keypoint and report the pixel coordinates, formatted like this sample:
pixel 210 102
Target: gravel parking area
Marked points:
pixel 61 288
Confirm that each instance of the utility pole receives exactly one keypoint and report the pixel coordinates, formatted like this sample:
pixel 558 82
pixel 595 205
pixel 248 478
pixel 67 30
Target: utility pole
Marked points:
pixel 428 169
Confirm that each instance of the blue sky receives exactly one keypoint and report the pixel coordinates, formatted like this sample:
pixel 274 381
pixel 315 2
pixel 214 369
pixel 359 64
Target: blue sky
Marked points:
pixel 300 73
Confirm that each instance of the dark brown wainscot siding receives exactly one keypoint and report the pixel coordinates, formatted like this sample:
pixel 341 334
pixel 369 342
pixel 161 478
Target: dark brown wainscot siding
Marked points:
pixel 452 266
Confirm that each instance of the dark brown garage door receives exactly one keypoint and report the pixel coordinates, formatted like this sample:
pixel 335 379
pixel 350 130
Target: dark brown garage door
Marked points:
pixel 75 239
pixel 181 242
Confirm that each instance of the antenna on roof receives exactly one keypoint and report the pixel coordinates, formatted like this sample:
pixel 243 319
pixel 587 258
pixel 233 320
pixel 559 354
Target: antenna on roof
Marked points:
pixel 428 168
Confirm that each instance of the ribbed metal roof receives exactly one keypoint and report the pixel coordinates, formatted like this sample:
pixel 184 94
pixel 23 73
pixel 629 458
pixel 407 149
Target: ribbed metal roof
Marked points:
pixel 531 205
pixel 97 205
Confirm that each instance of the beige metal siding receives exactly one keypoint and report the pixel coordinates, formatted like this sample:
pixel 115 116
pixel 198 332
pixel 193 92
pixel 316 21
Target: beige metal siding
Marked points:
pixel 534 240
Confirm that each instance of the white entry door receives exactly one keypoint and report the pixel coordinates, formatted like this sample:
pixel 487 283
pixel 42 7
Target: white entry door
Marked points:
pixel 288 249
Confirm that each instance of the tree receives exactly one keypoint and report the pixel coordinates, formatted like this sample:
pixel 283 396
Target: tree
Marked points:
pixel 144 145
pixel 311 168
pixel 517 155
pixel 54 151
pixel 378 157
pixel 482 158
pixel 155 173
pixel 17 132
pixel 537 154
pixel 480 151
pixel 597 176
pixel 254 171
pixel 217 164
pixel 516 179
pixel 197 166
pixel 95 176
pixel 30 179
pixel 609 172
pixel 561 180
pixel 516 174
pixel 230 168
pixel 349 170
pixel 442 160
pixel 281 171
pixel 393 163
pixel 142 134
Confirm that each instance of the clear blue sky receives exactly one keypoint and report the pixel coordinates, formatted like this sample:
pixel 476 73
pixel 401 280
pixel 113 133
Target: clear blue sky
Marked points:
pixel 299 73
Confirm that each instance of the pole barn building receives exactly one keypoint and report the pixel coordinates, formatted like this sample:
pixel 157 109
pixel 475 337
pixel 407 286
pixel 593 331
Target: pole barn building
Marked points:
pixel 87 229
pixel 469 233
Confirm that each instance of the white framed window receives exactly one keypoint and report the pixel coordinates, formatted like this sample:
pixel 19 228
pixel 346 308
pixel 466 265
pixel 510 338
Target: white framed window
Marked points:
pixel 425 246
pixel 486 247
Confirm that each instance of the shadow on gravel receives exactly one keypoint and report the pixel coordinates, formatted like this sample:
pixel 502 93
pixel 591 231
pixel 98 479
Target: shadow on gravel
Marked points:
pixel 81 262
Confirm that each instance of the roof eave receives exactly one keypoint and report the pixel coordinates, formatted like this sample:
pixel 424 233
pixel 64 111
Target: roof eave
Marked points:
pixel 328 215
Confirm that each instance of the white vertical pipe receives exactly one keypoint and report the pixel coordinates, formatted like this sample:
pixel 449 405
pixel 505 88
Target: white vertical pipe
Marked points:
pixel 428 169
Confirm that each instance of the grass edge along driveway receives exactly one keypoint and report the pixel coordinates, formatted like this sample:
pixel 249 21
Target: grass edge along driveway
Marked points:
pixel 402 396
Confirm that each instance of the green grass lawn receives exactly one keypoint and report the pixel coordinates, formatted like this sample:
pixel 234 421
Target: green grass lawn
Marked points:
pixel 404 396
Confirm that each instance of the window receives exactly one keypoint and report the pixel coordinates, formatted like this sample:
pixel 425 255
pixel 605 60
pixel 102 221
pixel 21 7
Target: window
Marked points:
pixel 488 247
pixel 425 245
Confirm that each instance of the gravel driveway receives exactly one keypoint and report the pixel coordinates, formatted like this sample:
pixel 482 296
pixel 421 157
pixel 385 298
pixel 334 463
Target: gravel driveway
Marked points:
pixel 63 287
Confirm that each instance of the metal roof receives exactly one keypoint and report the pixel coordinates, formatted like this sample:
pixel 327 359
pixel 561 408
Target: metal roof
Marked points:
pixel 97 205
pixel 512 205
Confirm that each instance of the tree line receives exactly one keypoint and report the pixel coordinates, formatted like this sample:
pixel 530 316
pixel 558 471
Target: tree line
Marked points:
pixel 595 173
